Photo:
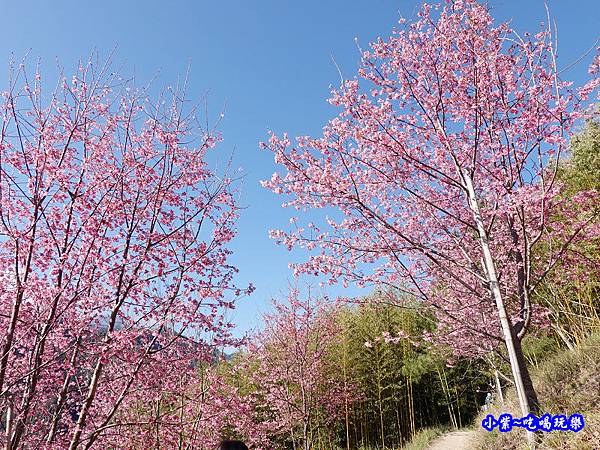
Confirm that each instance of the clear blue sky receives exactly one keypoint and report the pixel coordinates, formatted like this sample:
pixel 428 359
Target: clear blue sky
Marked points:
pixel 269 60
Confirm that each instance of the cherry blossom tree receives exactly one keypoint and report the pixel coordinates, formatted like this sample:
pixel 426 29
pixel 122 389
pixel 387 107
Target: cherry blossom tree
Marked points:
pixel 439 176
pixel 197 411
pixel 298 387
pixel 113 255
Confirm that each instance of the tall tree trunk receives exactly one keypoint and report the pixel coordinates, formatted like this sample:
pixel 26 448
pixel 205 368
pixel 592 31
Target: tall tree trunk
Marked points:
pixel 498 387
pixel 380 404
pixel 447 393
pixel 530 393
pixel 411 406
pixel 398 424
pixel 458 407
pixel 519 369
pixel 9 421
pixel 346 415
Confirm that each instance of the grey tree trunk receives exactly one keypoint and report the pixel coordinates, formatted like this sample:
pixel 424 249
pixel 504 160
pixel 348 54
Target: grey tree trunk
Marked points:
pixel 513 346
pixel 498 387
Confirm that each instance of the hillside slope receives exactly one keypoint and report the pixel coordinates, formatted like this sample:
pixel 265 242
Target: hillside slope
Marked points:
pixel 567 383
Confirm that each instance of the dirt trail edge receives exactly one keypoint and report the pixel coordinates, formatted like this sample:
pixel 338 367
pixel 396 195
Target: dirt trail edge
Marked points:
pixel 456 440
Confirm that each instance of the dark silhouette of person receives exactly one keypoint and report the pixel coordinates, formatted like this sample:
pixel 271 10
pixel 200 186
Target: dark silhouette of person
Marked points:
pixel 233 445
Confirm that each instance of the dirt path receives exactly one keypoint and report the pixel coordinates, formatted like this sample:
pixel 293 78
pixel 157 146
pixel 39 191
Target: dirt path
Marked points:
pixel 457 440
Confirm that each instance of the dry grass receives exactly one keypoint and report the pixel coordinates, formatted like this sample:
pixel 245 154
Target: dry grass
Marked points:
pixel 567 383
pixel 423 438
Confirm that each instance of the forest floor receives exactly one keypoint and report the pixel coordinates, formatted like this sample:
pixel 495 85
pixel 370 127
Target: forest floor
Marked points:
pixel 456 440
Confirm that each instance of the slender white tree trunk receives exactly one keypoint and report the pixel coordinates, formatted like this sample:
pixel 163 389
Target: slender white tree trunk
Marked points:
pixel 495 289
pixel 499 387
pixel 9 421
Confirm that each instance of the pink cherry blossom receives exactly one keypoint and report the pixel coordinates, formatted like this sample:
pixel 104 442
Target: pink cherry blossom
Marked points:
pixel 441 166
pixel 114 260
